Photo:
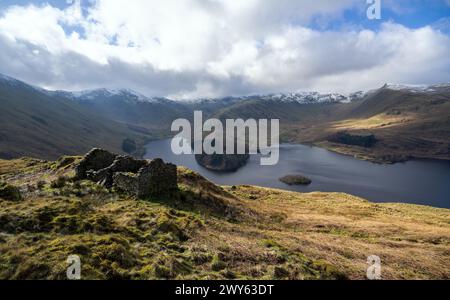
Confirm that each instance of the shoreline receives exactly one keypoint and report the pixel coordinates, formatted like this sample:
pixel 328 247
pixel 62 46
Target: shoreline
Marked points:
pixel 353 152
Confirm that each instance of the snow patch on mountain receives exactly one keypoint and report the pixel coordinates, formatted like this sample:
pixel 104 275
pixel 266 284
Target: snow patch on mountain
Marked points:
pixel 419 88
pixel 127 95
pixel 299 97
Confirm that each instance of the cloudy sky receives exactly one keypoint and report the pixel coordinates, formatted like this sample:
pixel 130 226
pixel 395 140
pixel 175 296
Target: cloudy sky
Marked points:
pixel 212 48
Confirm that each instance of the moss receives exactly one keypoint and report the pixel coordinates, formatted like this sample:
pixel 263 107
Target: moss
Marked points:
pixel 9 192
pixel 118 253
pixel 201 258
pixel 168 267
pixel 217 263
pixel 180 267
pixel 166 224
pixel 59 183
pixel 269 243
pixel 228 274
pixel 41 184
pixel 32 270
pixel 99 224
pixel 328 271
pixel 80 249
pixel 161 272
pixel 68 224
pixel 280 272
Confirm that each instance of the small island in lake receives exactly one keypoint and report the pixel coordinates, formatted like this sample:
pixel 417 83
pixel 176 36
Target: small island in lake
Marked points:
pixel 295 180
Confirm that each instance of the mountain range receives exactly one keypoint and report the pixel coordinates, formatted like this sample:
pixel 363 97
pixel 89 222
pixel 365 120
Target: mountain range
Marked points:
pixel 34 123
pixel 408 121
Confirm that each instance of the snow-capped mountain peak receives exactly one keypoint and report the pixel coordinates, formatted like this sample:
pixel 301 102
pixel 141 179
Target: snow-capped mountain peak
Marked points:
pixel 295 97
pixel 418 88
pixel 92 94
pixel 106 94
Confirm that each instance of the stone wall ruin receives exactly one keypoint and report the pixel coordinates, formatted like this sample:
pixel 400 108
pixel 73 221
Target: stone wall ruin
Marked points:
pixel 140 178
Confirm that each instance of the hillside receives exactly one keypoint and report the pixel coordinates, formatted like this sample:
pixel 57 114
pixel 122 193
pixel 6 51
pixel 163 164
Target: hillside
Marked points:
pixel 407 123
pixel 32 123
pixel 207 232
pixel 125 106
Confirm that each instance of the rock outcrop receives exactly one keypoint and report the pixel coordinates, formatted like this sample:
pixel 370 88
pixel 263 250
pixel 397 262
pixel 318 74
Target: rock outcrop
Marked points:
pixel 140 178
pixel 222 162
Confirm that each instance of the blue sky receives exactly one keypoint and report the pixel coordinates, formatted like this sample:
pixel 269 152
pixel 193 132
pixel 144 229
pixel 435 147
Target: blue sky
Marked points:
pixel 57 3
pixel 410 13
pixel 200 48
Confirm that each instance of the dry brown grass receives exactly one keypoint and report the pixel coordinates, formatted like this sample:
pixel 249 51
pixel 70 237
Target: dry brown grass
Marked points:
pixel 342 230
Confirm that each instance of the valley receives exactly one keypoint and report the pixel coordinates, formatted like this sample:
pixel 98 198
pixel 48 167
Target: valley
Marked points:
pixel 219 225
pixel 407 122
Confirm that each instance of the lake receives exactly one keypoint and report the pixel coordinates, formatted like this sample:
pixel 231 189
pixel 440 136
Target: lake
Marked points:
pixel 419 182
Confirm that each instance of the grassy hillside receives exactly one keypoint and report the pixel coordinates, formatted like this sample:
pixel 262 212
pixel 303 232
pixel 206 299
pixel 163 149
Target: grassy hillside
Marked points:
pixel 35 124
pixel 406 124
pixel 208 232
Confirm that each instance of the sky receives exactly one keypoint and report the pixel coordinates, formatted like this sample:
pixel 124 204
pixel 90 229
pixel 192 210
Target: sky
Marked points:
pixel 186 49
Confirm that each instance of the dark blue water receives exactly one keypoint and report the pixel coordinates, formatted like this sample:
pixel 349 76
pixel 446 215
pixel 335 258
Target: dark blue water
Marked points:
pixel 418 182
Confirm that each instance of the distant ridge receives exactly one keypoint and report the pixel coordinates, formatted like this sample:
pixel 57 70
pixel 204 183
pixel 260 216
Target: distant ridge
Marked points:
pixel 310 97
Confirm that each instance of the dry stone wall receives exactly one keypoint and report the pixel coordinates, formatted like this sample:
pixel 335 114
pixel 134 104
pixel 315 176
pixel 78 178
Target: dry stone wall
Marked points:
pixel 140 178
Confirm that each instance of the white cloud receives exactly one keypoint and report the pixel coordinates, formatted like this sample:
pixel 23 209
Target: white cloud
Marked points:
pixel 205 48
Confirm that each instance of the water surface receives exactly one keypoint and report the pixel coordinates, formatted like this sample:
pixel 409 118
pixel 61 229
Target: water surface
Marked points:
pixel 419 182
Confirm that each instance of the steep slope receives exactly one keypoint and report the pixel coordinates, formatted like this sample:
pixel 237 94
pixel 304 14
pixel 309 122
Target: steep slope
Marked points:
pixel 274 235
pixel 32 123
pixel 407 122
pixel 126 106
